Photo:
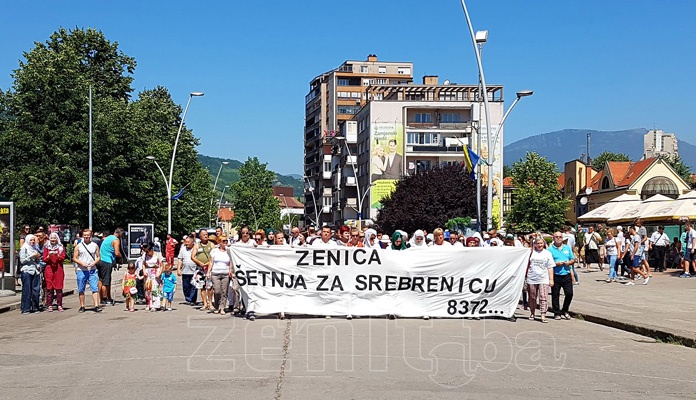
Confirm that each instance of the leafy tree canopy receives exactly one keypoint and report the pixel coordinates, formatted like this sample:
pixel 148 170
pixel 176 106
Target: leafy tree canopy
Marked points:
pixel 429 199
pixel 683 170
pixel 602 159
pixel 44 134
pixel 254 202
pixel 538 204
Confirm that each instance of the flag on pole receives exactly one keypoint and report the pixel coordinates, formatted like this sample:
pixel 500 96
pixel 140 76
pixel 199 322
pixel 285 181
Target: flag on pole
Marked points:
pixel 471 160
pixel 178 195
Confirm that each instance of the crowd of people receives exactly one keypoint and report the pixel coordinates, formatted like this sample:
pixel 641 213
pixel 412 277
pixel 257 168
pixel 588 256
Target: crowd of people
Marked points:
pixel 203 263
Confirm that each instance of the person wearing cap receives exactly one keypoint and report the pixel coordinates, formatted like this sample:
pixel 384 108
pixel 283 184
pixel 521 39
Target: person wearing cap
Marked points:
pixel 472 242
pixel 658 245
pixel 509 240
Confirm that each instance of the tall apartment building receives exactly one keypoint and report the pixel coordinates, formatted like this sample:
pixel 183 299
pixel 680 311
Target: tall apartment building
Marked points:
pixel 658 143
pixel 392 128
pixel 335 97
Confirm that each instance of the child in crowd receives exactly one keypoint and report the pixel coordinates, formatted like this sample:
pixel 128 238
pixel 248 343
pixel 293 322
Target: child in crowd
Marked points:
pixel 152 266
pixel 168 285
pixel 130 292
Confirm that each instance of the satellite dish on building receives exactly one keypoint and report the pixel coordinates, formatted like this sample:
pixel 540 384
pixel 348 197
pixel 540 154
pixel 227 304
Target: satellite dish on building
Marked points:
pixel 588 191
pixel 583 201
pixel 446 82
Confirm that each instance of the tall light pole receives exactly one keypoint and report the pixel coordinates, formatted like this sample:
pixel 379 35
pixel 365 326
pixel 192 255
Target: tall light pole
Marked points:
pixel 168 183
pixel 310 188
pixel 360 203
pixel 287 211
pixel 217 215
pixel 91 193
pixel 489 217
pixel 477 40
pixel 210 215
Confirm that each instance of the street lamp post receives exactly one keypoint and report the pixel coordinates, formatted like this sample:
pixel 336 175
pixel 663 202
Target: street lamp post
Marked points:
pixel 287 211
pixel 217 215
pixel 477 40
pixel 210 216
pixel 360 203
pixel 310 188
pixel 168 183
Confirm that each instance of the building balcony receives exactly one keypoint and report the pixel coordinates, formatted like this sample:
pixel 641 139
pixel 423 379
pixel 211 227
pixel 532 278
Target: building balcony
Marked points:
pixel 459 126
pixel 351 202
pixel 435 149
pixel 326 209
pixel 326 174
pixel 350 181
pixel 351 160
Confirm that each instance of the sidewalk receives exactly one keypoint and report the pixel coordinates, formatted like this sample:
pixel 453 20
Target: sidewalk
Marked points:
pixel 663 309
pixel 11 303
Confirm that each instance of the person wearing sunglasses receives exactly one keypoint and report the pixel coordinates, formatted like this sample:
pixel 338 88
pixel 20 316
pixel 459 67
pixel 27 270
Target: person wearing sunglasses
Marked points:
pixel 260 238
pixel 564 259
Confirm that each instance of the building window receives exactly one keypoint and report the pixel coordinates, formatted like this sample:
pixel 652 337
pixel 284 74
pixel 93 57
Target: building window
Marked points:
pixel 659 185
pixel 381 81
pixel 605 183
pixel 343 82
pixel 363 69
pixel 449 118
pixel 403 71
pixel 327 166
pixel 326 201
pixel 382 69
pixel 423 118
pixel 348 109
pixel 422 165
pixel 570 188
pixel 423 138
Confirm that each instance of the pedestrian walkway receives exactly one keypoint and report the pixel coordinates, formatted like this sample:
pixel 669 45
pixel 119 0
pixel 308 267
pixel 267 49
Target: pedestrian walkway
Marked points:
pixel 11 303
pixel 663 309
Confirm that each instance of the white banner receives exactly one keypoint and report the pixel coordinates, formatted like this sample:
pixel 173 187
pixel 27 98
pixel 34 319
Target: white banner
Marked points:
pixel 449 282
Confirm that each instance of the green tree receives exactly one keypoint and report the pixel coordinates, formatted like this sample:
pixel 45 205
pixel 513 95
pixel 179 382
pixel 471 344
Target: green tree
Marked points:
pixel 538 203
pixel 683 170
pixel 44 125
pixel 429 199
pixel 254 202
pixel 601 160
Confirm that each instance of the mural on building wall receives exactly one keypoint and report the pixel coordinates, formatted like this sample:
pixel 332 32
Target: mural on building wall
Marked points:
pixel 387 159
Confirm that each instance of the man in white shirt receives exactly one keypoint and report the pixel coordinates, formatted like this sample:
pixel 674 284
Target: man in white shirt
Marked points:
pixel 325 239
pixel 657 245
pixel 568 237
pixel 592 241
pixel 186 268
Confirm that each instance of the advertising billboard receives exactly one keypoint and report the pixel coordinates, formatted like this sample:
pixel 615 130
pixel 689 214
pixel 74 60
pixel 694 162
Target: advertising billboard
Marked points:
pixel 139 234
pixel 7 245
pixel 386 160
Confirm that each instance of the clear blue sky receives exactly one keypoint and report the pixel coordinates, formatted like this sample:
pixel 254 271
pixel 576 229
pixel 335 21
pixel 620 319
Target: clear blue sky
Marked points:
pixel 606 65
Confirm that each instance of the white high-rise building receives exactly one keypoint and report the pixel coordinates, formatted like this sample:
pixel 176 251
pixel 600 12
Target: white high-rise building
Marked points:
pixel 658 143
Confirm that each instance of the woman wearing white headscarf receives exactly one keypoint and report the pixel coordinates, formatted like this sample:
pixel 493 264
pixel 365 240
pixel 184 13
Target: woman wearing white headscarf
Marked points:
pixel 370 237
pixel 30 274
pixel 418 241
pixel 53 256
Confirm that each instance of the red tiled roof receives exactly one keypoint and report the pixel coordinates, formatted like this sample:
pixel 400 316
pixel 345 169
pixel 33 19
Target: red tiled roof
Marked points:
pixel 596 180
pixel 635 171
pixel 291 202
pixel 618 170
pixel 507 182
pixel 561 181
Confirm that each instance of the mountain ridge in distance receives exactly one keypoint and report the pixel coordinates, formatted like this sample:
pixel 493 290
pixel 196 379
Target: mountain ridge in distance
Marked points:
pixel 569 144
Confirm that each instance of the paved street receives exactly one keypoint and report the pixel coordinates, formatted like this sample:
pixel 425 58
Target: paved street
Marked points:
pixel 190 354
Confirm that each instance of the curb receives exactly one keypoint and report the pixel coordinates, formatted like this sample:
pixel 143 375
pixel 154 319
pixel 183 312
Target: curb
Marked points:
pixel 17 305
pixel 658 334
